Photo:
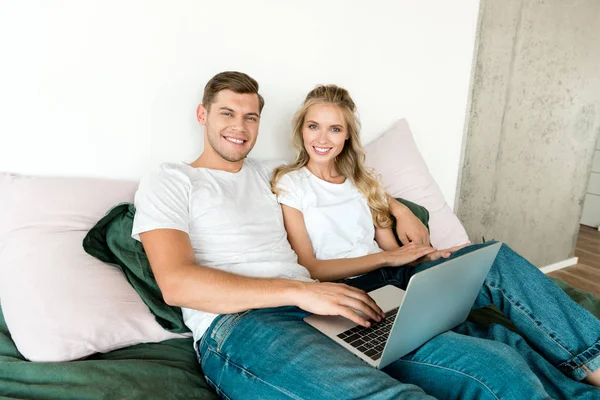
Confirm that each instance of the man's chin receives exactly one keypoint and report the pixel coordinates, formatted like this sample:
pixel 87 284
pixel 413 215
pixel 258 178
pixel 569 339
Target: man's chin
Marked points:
pixel 233 157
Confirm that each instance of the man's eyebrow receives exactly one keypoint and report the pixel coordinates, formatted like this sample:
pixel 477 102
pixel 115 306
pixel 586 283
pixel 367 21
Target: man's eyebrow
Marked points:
pixel 253 113
pixel 226 109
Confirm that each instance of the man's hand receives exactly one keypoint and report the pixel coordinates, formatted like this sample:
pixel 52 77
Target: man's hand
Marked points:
pixel 408 227
pixel 339 299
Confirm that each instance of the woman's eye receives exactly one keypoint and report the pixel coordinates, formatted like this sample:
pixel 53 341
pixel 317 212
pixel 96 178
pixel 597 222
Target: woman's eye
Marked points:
pixel 336 129
pixel 312 126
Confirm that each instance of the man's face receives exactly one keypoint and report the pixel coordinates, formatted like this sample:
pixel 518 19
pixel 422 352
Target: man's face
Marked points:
pixel 231 124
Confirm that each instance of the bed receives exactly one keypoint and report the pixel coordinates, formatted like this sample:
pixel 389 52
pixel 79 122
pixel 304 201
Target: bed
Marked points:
pixel 85 325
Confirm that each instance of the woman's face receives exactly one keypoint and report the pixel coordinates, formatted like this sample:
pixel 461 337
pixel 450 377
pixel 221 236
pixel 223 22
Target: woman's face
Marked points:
pixel 324 132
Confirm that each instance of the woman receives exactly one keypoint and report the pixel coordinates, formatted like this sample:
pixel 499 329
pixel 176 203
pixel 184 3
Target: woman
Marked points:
pixel 338 222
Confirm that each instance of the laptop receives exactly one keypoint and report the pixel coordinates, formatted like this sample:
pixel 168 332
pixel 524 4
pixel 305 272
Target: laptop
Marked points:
pixel 435 301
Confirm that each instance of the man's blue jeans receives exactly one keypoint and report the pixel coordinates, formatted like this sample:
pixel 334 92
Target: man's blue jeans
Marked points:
pixel 273 354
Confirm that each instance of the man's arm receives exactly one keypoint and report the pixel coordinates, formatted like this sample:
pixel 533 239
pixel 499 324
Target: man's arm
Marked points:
pixel 408 227
pixel 185 284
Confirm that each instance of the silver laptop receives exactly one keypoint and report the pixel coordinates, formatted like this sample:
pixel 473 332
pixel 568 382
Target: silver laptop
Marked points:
pixel 436 300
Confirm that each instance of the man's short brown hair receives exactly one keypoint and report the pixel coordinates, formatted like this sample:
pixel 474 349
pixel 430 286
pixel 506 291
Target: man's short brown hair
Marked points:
pixel 237 82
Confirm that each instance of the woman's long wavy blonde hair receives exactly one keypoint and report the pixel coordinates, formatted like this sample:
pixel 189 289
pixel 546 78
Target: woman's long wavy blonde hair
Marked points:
pixel 350 162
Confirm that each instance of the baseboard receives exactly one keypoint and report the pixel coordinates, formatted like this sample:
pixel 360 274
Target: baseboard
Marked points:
pixel 559 265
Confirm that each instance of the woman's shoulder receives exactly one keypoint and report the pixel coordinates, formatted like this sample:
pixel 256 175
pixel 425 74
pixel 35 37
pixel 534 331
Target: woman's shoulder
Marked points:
pixel 295 177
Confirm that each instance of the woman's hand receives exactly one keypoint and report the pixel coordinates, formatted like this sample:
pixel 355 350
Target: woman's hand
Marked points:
pixel 436 255
pixel 406 254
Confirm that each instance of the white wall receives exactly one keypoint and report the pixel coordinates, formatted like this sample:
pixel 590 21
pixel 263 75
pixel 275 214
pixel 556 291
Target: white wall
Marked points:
pixel 109 88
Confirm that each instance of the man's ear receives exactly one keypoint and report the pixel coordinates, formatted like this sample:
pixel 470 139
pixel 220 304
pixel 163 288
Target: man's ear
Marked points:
pixel 201 114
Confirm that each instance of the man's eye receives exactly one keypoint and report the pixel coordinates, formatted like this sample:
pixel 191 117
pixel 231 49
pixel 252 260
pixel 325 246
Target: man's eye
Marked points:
pixel 227 114
pixel 251 118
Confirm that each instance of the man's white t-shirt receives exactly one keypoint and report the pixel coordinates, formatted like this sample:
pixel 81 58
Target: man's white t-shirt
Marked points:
pixel 337 216
pixel 233 220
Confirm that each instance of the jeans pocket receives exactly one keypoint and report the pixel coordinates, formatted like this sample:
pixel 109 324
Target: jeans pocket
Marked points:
pixel 223 327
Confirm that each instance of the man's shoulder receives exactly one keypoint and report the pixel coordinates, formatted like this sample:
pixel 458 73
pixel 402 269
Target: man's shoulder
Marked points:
pixel 169 172
pixel 264 168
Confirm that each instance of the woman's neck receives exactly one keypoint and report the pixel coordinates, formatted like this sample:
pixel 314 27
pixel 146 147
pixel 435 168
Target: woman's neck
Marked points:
pixel 326 172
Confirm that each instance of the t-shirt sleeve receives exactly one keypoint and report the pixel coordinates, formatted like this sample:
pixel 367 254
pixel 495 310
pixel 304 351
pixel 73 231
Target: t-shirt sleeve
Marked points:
pixel 162 202
pixel 290 193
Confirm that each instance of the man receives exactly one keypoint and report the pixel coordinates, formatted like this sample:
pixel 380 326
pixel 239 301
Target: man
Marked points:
pixel 215 239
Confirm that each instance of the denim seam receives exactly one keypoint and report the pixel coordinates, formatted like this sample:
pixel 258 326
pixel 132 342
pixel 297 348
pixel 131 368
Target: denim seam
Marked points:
pixel 203 355
pixel 526 313
pixel 456 371
pixel 573 364
pixel 229 328
pixel 228 361
pixel 218 325
pixel 219 391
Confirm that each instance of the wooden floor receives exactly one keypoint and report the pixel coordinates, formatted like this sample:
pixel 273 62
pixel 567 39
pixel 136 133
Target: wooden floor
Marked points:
pixel 586 274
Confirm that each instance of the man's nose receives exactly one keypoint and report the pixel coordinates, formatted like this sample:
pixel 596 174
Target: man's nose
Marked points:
pixel 239 123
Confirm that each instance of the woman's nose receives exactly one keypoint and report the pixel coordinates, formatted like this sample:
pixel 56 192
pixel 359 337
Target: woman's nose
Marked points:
pixel 322 136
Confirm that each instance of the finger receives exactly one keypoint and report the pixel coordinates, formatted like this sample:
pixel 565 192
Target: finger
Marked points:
pixel 434 256
pixel 368 300
pixel 362 307
pixel 431 253
pixel 352 316
pixel 424 250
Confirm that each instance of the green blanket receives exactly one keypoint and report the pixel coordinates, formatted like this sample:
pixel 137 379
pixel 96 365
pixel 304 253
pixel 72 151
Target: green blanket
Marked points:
pixel 110 241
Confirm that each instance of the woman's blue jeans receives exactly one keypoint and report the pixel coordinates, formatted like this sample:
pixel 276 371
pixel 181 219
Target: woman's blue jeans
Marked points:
pixel 273 354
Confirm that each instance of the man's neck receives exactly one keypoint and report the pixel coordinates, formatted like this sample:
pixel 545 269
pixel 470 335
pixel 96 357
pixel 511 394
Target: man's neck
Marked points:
pixel 214 161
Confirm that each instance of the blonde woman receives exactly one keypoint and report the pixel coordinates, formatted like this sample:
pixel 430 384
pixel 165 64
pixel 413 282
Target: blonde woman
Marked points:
pixel 338 222
pixel 335 211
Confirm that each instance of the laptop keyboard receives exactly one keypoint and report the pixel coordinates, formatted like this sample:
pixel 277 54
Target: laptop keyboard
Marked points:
pixel 370 341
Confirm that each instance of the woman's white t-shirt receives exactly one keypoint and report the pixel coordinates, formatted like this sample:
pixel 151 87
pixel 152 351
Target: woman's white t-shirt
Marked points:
pixel 337 216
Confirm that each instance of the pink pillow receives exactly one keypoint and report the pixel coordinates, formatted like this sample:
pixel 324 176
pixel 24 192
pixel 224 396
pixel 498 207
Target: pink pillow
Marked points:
pixel 404 174
pixel 59 302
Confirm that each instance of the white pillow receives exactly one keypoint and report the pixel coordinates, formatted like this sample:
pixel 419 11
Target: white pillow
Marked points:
pixel 59 302
pixel 404 174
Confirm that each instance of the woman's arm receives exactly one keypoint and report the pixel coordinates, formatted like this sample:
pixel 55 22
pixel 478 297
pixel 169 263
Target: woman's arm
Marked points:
pixel 408 227
pixel 385 239
pixel 340 268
